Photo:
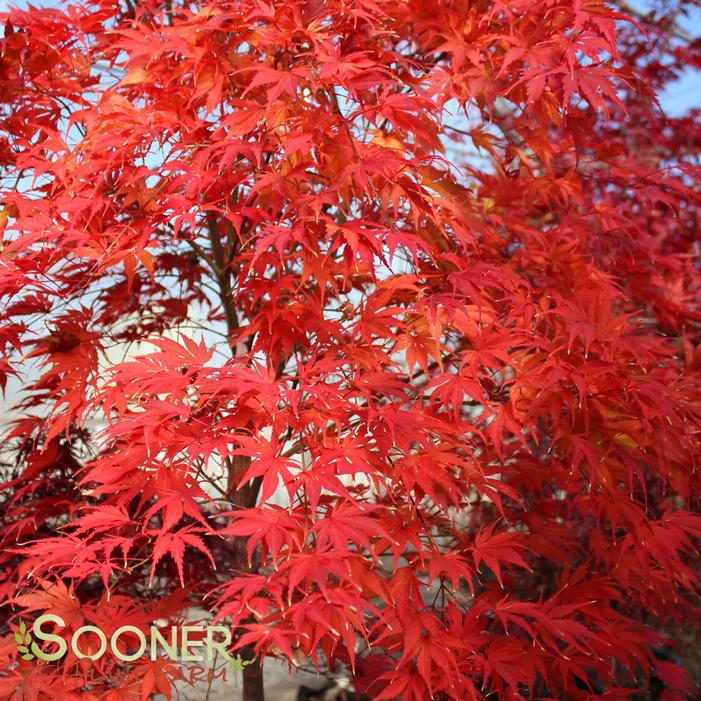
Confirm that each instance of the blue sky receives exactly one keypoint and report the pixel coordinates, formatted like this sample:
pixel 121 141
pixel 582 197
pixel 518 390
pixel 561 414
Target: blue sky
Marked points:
pixel 685 93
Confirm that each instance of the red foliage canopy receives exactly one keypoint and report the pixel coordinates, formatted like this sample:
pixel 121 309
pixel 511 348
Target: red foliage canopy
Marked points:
pixel 374 325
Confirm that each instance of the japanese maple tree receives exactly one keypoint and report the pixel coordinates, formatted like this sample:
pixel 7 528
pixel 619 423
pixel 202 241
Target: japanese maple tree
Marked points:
pixel 373 327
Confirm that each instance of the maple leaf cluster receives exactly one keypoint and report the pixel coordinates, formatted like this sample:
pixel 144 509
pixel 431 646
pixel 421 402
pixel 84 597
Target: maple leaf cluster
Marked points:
pixel 373 326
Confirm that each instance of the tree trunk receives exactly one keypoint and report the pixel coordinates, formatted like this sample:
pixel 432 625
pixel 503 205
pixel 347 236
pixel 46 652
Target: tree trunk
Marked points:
pixel 252 677
pixel 246 497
